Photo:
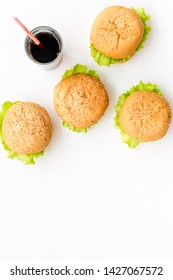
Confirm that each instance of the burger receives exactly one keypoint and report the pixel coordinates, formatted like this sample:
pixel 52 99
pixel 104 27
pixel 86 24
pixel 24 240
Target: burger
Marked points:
pixel 25 130
pixel 117 33
pixel 142 114
pixel 80 99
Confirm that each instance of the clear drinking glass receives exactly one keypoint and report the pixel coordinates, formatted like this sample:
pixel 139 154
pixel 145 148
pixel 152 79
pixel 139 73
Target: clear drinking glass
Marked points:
pixel 49 54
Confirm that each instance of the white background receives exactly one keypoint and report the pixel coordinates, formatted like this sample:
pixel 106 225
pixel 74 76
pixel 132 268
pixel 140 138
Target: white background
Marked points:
pixel 90 196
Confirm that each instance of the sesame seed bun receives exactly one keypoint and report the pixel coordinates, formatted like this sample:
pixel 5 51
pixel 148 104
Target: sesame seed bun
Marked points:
pixel 145 116
pixel 80 100
pixel 26 128
pixel 116 32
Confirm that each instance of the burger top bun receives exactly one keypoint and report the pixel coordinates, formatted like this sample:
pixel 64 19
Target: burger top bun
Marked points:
pixel 26 128
pixel 116 32
pixel 145 116
pixel 80 100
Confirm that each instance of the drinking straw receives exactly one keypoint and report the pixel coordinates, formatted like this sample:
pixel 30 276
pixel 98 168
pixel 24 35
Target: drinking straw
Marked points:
pixel 33 38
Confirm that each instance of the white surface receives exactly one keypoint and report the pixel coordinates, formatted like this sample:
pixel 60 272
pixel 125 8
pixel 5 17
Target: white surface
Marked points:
pixel 90 196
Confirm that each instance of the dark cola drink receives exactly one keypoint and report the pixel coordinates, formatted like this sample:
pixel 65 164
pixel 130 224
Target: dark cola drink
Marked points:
pixel 48 50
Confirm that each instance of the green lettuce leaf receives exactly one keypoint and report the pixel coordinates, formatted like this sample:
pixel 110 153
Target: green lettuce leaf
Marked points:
pixel 131 142
pixel 141 13
pixel 4 109
pixel 78 69
pixel 26 159
pixel 75 129
pixel 102 59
